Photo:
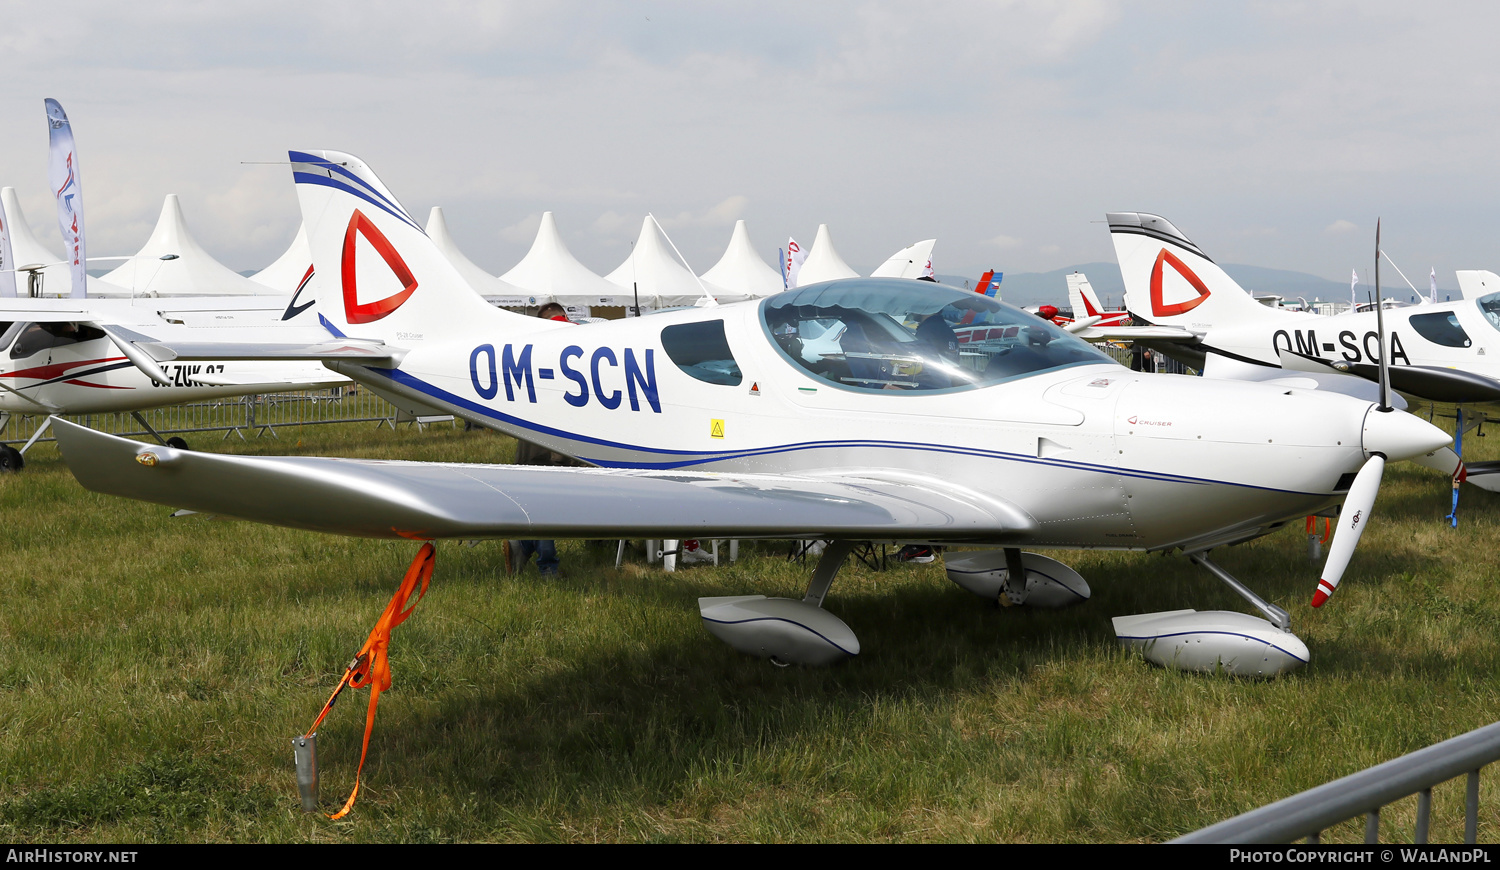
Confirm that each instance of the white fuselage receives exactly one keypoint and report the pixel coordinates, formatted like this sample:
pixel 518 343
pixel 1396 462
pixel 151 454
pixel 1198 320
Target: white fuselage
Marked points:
pixel 1448 335
pixel 1099 455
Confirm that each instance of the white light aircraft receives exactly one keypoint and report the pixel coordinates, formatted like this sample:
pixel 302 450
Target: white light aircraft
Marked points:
pixel 739 421
pixel 1443 352
pixel 75 356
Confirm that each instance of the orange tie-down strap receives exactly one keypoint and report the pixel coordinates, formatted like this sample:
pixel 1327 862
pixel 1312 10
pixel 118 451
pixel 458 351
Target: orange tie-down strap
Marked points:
pixel 372 666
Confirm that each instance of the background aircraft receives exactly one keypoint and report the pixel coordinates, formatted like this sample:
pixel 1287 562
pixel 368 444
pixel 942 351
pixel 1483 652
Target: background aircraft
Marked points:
pixel 72 356
pixel 737 421
pixel 1443 352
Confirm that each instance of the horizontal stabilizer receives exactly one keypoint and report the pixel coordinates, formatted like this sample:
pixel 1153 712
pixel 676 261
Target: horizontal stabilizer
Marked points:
pixel 357 350
pixel 376 499
pixel 1138 333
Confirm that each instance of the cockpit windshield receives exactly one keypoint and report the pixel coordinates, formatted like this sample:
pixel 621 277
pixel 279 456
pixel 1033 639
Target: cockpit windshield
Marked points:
pixel 897 334
pixel 1489 306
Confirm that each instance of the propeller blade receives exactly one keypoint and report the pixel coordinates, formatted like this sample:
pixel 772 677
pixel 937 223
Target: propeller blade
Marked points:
pixel 1352 521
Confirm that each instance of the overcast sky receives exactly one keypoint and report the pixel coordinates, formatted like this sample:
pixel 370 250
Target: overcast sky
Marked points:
pixel 1272 133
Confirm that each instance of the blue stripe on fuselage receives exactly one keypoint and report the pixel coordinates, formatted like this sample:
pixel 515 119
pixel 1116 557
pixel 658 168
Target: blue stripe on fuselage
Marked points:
pixel 695 457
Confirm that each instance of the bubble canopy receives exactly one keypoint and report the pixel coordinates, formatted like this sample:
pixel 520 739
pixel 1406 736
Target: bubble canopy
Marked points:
pixel 899 335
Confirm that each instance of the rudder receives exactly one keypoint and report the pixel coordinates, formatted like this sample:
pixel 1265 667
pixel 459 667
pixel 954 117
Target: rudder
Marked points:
pixel 1169 280
pixel 378 274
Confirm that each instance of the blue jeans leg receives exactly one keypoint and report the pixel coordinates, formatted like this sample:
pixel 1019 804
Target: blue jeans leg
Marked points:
pixel 546 555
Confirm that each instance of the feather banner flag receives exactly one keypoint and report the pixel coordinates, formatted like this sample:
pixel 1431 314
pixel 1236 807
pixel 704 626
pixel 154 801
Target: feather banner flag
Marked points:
pixel 792 264
pixel 62 172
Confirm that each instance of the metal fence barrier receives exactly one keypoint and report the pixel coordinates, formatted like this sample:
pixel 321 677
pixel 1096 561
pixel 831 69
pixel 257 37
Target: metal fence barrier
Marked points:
pixel 1308 814
pixel 258 415
pixel 1161 363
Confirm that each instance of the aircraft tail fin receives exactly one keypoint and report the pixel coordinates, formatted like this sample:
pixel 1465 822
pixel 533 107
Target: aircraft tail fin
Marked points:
pixel 1082 298
pixel 378 274
pixel 1474 283
pixel 1170 281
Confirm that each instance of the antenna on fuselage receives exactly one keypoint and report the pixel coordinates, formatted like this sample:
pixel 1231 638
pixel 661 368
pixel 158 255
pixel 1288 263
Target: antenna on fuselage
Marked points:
pixel 1385 373
pixel 706 295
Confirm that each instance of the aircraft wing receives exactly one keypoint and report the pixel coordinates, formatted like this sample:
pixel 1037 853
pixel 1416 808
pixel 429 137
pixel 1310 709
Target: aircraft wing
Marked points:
pixel 357 350
pixel 1425 382
pixel 1138 333
pixel 419 500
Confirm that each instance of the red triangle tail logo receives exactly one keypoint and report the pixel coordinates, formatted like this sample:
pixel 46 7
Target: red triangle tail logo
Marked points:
pixel 1160 308
pixel 369 312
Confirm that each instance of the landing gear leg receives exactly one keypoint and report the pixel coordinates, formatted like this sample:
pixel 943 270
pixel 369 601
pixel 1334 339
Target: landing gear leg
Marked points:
pixel 1014 592
pixel 147 426
pixel 38 433
pixel 1278 617
pixel 828 567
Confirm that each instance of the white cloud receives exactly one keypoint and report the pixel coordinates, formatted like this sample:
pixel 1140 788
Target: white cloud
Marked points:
pixel 1340 227
pixel 1003 242
pixel 723 214
pixel 523 231
pixel 612 223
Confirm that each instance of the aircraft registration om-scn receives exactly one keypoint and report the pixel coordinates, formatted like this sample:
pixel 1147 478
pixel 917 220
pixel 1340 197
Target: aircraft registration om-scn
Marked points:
pixel 514 370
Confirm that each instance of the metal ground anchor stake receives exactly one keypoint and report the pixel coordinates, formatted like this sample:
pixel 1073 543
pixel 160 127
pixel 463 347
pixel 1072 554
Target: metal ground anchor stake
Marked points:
pixel 305 754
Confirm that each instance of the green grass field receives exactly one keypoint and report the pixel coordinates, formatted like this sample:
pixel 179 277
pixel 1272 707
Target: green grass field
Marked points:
pixel 153 671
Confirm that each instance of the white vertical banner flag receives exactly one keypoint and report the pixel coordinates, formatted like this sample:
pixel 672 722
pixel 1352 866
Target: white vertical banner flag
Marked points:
pixel 62 172
pixel 1432 286
pixel 795 256
pixel 927 270
pixel 7 262
pixel 1353 282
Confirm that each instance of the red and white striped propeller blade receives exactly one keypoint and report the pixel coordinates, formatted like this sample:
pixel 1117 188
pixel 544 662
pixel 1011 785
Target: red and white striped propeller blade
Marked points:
pixel 1351 524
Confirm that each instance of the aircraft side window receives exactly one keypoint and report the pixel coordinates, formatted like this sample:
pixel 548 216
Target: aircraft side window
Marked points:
pixel 37 337
pixel 702 352
pixel 1489 306
pixel 1441 328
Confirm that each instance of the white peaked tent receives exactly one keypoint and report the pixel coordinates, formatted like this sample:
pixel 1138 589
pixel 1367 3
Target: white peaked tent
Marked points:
pixel 28 250
pixel 656 271
pixel 494 290
pixel 741 271
pixel 192 271
pixel 913 261
pixel 286 274
pixel 823 262
pixel 550 269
